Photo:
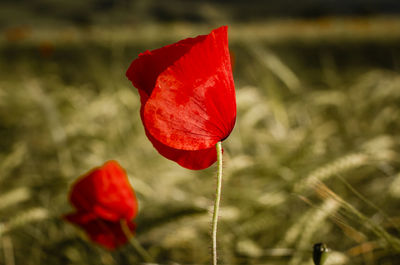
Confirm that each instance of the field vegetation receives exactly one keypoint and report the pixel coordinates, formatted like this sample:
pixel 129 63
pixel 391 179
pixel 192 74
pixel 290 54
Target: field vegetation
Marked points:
pixel 314 156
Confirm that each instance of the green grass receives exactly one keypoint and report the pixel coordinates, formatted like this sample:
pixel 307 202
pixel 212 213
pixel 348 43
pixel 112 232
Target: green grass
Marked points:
pixel 314 156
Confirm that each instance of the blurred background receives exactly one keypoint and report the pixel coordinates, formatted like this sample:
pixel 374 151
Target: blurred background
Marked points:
pixel 314 156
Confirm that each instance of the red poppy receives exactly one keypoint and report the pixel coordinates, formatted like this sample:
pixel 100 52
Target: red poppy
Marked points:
pixel 103 198
pixel 188 97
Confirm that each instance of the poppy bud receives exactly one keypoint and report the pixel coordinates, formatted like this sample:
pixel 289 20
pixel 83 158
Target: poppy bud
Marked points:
pixel 103 198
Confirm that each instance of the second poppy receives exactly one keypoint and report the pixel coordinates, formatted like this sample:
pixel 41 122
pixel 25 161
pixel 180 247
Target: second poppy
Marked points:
pixel 104 202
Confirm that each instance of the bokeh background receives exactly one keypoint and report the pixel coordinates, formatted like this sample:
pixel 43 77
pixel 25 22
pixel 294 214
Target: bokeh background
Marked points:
pixel 314 156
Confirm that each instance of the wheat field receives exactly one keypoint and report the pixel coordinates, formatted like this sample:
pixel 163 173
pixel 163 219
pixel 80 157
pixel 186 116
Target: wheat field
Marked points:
pixel 314 156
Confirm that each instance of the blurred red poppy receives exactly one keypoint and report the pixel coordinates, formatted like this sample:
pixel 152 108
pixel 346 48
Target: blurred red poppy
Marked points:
pixel 18 34
pixel 103 198
pixel 188 97
pixel 46 49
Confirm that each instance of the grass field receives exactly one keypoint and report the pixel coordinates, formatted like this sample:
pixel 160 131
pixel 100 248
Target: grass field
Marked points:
pixel 314 156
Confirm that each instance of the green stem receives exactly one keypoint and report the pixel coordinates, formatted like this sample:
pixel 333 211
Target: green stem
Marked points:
pixel 216 204
pixel 135 244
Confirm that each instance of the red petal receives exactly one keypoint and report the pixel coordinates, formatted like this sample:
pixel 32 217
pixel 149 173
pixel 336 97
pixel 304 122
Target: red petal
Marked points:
pixel 195 160
pixel 192 105
pixel 143 71
pixel 106 192
pixel 106 233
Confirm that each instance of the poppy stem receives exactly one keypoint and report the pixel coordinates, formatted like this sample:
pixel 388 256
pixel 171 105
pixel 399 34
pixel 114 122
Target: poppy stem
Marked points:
pixel 135 244
pixel 216 203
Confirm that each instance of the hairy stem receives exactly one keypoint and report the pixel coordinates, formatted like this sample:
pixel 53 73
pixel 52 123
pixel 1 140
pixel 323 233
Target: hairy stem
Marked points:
pixel 216 204
pixel 135 244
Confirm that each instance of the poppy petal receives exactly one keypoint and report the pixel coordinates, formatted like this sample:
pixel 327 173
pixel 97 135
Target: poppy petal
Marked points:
pixel 143 71
pixel 106 192
pixel 196 160
pixel 192 105
pixel 106 233
pixel 80 217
